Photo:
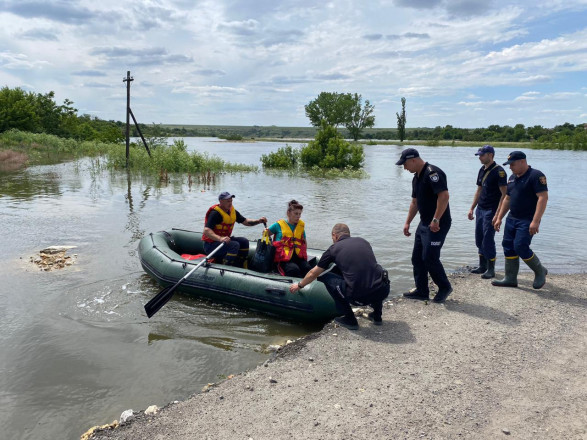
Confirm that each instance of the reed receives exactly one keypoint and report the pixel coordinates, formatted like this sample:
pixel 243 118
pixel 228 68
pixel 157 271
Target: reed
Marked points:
pixel 172 158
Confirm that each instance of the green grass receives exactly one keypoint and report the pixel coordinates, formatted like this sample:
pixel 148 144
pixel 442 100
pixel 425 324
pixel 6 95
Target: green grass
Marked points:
pixel 41 148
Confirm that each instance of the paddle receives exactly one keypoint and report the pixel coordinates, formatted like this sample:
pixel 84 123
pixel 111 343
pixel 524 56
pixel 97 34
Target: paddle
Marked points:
pixel 165 295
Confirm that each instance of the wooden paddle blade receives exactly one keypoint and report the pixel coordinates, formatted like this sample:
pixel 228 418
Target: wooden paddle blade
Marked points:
pixel 159 300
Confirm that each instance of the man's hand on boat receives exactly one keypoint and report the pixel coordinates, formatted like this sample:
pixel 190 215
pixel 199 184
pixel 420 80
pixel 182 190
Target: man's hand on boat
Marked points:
pixel 310 276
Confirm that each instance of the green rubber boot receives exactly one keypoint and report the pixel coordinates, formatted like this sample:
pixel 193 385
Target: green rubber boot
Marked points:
pixel 539 271
pixel 490 273
pixel 482 265
pixel 512 266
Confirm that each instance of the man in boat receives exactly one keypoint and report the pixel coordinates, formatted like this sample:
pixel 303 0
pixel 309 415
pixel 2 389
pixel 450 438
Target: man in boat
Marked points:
pixel 363 281
pixel 430 199
pixel 526 199
pixel 218 225
pixel 491 189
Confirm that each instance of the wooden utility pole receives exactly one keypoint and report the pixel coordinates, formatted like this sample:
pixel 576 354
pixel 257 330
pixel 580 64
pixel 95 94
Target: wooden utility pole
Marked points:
pixel 129 114
pixel 127 80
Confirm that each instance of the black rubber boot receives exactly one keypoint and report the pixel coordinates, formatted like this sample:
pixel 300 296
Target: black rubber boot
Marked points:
pixel 490 273
pixel 512 267
pixel 482 265
pixel 539 271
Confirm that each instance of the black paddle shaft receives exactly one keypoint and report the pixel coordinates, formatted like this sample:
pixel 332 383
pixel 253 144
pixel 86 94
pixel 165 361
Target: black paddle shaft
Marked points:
pixel 165 295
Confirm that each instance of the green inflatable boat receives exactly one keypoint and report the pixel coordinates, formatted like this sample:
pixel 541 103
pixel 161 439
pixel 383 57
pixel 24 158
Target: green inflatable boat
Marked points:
pixel 161 257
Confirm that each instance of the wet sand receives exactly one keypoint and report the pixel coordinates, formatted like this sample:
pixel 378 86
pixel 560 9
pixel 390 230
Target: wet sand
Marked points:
pixel 489 363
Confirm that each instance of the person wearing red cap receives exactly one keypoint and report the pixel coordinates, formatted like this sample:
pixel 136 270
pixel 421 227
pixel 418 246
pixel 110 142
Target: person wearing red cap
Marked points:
pixel 218 225
pixel 491 190
pixel 526 199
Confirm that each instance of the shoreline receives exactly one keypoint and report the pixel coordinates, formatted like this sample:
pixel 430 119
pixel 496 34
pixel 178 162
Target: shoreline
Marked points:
pixel 491 362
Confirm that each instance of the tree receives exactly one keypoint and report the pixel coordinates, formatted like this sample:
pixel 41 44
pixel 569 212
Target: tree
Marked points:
pixel 327 107
pixel 18 110
pixel 360 117
pixel 345 109
pixel 401 122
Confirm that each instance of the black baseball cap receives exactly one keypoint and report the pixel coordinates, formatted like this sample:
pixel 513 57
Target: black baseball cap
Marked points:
pixel 226 195
pixel 408 153
pixel 515 155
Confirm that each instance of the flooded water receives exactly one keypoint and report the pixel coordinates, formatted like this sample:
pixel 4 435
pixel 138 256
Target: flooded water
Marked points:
pixel 77 348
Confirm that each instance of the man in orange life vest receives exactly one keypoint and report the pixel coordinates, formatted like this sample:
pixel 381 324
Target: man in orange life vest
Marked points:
pixel 218 225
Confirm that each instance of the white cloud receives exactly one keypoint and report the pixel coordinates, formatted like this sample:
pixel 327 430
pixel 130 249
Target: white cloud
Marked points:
pixel 242 57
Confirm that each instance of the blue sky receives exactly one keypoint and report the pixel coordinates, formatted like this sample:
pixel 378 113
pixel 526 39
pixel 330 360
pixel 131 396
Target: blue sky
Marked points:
pixel 467 63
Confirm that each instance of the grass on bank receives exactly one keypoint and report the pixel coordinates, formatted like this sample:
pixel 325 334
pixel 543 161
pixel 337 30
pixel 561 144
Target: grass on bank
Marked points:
pixel 35 148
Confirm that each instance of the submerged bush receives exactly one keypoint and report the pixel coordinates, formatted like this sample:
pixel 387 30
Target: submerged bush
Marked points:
pixel 330 150
pixel 284 158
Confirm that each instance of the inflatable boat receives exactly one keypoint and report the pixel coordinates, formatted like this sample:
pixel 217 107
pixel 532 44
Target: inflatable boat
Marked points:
pixel 167 256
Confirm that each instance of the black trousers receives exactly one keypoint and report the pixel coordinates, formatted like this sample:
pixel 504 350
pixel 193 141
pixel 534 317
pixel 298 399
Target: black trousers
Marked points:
pixel 426 258
pixel 296 267
pixel 336 288
pixel 233 254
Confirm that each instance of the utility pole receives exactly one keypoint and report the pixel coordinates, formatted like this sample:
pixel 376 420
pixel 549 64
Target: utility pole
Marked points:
pixel 127 80
pixel 129 114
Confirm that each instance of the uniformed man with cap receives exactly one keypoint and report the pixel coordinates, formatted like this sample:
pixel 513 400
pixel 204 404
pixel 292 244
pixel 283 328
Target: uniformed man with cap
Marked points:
pixel 491 190
pixel 218 225
pixel 430 199
pixel 526 199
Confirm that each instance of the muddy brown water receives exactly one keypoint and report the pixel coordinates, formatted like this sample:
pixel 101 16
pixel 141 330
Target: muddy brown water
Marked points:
pixel 76 346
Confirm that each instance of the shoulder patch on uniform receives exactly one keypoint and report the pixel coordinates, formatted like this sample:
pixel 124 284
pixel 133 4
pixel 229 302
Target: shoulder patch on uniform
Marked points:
pixel 542 180
pixel 501 173
pixel 434 177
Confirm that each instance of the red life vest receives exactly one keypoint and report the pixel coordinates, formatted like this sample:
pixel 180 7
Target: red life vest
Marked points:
pixel 223 229
pixel 289 241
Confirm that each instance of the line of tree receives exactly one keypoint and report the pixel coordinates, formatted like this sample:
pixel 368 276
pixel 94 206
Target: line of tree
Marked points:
pixel 493 133
pixel 39 113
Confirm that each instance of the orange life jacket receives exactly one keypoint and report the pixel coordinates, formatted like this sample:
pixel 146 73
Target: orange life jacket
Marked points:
pixel 223 229
pixel 284 248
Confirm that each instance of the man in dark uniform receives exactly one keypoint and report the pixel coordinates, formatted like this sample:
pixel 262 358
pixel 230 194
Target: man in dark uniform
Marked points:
pixel 363 281
pixel 218 225
pixel 526 199
pixel 430 199
pixel 491 189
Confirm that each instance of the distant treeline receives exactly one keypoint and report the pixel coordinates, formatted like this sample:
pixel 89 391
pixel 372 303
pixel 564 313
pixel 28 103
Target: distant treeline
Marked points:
pixel 566 136
pixel 39 113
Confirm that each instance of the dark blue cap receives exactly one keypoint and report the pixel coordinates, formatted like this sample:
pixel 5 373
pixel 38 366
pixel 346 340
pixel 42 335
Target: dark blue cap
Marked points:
pixel 226 195
pixel 485 149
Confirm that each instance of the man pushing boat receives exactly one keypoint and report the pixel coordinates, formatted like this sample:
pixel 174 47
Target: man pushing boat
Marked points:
pixel 363 281
pixel 218 225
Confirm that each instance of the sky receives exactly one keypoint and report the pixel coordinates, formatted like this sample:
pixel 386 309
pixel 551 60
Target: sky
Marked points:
pixel 465 63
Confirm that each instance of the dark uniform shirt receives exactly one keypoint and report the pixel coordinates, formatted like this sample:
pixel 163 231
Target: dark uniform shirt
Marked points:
pixel 425 189
pixel 356 260
pixel 490 180
pixel 522 191
pixel 215 218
